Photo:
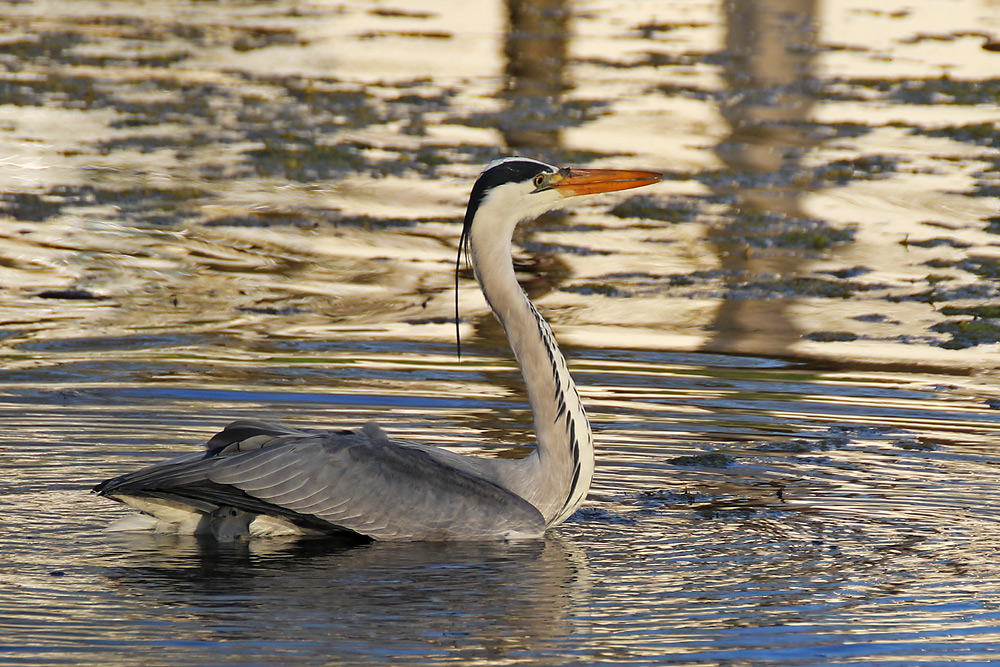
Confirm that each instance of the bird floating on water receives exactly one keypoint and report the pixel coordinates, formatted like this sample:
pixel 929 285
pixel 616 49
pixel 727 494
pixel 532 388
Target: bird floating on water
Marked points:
pixel 258 478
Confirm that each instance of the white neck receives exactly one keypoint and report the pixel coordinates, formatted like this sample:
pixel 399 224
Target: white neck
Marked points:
pixel 557 477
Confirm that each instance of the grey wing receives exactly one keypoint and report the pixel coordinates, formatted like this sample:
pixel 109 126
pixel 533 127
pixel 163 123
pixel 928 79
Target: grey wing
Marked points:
pixel 346 481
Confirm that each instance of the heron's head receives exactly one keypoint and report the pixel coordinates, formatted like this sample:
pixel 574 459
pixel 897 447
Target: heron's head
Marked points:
pixel 514 189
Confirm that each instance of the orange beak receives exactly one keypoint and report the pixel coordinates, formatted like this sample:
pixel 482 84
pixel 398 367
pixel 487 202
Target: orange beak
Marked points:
pixel 575 182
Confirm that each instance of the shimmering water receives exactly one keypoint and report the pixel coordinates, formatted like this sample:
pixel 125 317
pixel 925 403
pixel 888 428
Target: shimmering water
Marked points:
pixel 788 349
pixel 745 511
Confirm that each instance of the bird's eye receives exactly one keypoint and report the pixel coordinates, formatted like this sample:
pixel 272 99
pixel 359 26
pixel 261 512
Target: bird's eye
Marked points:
pixel 539 180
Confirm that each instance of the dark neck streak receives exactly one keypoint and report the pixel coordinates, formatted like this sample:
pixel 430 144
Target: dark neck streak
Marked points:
pixel 565 446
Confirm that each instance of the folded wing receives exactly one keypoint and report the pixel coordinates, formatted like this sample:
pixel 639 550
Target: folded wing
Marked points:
pixel 348 482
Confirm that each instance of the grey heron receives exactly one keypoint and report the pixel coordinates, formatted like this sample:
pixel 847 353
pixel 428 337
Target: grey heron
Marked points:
pixel 257 477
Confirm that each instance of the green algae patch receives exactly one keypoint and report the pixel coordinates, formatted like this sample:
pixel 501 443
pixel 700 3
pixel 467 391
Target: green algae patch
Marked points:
pixel 930 91
pixel 980 134
pixel 708 460
pixel 831 336
pixel 765 229
pixel 648 207
pixel 981 312
pixel 792 287
pixel 866 167
pixel 968 333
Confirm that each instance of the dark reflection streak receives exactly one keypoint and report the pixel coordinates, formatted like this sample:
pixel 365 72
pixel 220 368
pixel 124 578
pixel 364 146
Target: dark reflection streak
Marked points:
pixel 519 603
pixel 770 48
pixel 535 47
pixel 536 44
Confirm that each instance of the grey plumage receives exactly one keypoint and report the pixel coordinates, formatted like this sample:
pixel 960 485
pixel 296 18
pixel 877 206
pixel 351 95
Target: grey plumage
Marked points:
pixel 355 483
pixel 262 478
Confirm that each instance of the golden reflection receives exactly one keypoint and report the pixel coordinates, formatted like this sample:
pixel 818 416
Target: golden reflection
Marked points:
pixel 862 526
pixel 771 48
pixel 125 161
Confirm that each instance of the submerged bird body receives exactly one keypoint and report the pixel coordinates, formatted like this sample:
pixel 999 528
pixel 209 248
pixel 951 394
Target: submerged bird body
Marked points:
pixel 262 478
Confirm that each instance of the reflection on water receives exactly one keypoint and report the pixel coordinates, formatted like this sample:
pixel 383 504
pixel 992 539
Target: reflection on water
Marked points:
pixel 362 597
pixel 830 511
pixel 212 211
pixel 535 47
pixel 771 50
pixel 818 206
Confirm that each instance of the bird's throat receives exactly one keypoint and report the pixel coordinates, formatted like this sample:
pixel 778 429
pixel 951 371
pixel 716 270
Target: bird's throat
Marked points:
pixel 557 476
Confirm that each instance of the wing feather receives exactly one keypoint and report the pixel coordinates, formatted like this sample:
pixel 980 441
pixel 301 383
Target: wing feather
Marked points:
pixel 357 481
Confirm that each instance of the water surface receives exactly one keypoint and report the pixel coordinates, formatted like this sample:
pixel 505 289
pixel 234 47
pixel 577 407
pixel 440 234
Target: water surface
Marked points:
pixel 788 349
